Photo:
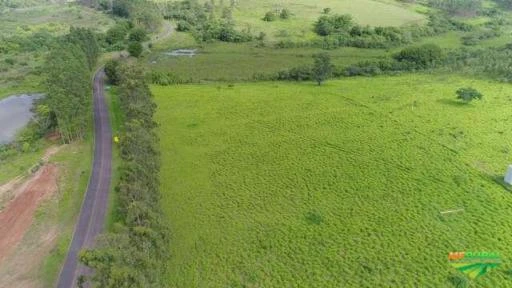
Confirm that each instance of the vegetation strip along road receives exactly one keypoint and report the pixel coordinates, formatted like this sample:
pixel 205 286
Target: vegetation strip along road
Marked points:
pixel 94 207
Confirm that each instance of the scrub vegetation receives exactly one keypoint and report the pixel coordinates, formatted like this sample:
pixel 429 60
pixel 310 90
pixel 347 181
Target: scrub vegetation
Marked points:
pixel 28 32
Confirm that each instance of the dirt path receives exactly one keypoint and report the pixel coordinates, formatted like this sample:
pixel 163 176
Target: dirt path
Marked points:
pixel 20 268
pixel 18 214
pixel 22 249
pixel 14 187
pixel 94 207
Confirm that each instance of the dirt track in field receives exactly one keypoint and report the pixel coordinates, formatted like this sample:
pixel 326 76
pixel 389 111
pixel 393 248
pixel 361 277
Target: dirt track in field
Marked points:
pixel 18 214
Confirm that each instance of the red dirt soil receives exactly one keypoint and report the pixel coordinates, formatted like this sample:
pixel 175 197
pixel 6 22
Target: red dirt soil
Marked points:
pixel 18 214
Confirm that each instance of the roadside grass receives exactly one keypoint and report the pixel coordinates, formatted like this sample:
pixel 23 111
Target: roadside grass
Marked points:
pixel 116 120
pixel 248 15
pixel 267 184
pixel 74 162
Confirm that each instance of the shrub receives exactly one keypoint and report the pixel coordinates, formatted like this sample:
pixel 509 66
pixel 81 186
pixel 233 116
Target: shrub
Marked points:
pixel 468 94
pixel 329 24
pixel 111 70
pixel 121 9
pixel 138 34
pixel 183 26
pixel 421 56
pixel 135 49
pixel 117 33
pixel 470 40
pixel 261 36
pixel 164 79
pixel 285 14
pixel 269 16
pixel 297 74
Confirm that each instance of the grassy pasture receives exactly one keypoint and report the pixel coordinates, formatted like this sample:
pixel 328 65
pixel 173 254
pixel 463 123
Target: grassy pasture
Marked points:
pixel 235 62
pixel 305 12
pixel 293 185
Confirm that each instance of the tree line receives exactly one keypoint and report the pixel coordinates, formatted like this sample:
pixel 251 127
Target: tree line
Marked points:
pixel 136 252
pixel 68 69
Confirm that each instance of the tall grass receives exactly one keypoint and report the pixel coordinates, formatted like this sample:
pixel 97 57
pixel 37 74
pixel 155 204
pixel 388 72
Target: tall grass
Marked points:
pixel 292 185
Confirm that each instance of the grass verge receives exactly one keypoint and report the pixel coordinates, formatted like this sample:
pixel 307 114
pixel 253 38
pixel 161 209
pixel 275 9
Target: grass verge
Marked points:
pixel 112 99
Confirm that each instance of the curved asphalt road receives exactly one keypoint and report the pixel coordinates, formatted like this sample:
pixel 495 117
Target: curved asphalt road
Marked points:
pixel 94 206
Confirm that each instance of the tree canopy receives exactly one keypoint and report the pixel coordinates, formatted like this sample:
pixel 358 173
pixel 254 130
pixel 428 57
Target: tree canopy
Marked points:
pixel 322 68
pixel 68 75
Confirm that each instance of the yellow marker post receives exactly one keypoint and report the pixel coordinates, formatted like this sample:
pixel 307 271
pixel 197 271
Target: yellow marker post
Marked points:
pixel 116 139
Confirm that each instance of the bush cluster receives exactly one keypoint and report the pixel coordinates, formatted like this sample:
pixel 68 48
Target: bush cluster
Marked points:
pixel 203 24
pixel 166 78
pixel 474 38
pixel 341 31
pixel 457 7
pixel 125 35
pixel 145 13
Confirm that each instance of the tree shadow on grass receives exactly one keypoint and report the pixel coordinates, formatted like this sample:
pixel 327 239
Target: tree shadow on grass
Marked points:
pixel 453 102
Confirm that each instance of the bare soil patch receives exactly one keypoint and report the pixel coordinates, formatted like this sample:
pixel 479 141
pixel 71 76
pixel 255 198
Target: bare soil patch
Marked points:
pixel 20 268
pixel 18 214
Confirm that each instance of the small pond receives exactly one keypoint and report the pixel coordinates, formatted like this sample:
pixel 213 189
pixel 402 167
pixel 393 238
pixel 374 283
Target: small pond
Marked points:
pixel 182 52
pixel 15 114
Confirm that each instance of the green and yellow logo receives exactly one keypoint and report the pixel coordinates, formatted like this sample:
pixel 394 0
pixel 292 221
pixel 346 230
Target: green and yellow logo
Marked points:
pixel 474 264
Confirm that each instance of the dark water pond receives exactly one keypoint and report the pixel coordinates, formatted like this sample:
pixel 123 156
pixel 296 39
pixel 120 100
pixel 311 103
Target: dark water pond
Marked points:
pixel 15 114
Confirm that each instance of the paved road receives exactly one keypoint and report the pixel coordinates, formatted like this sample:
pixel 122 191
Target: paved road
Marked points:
pixel 92 214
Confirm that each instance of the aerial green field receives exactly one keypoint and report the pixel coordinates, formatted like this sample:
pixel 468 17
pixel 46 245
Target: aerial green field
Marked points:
pixel 249 14
pixel 341 185
pixel 240 61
